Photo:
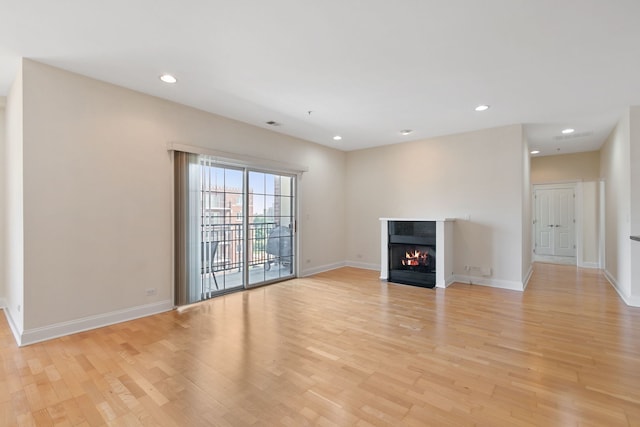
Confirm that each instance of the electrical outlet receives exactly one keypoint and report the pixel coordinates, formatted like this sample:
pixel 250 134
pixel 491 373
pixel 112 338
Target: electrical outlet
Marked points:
pixel 151 292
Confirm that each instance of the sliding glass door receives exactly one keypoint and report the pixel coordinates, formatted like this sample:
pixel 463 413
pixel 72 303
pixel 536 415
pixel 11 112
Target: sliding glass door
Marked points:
pixel 235 227
pixel 222 227
pixel 271 227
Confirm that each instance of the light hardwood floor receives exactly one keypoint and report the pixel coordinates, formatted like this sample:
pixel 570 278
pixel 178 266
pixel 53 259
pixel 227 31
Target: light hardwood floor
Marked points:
pixel 344 349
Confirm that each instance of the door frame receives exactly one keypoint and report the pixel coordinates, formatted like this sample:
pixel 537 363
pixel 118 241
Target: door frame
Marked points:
pixel 577 209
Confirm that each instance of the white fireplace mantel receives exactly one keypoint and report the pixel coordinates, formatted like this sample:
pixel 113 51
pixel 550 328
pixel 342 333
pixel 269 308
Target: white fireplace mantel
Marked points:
pixel 444 248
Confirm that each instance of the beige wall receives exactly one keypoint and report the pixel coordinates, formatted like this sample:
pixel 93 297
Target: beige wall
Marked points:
pixel 527 246
pixel 13 209
pixel 3 203
pixel 590 256
pixel 477 175
pixel 634 203
pixel 98 193
pixel 615 170
pixel 566 167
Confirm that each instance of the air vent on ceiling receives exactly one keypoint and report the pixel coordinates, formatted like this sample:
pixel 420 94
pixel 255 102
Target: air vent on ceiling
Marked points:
pixel 572 136
pixel 272 123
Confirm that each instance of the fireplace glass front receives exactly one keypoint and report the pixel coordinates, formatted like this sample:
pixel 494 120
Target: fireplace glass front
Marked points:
pixel 412 253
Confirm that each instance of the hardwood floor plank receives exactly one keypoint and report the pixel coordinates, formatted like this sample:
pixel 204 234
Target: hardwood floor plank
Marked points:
pixel 343 348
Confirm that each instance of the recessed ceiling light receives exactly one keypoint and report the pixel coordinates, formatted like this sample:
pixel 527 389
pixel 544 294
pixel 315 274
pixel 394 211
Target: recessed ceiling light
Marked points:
pixel 535 152
pixel 405 132
pixel 337 138
pixel 568 131
pixel 168 78
pixel 482 107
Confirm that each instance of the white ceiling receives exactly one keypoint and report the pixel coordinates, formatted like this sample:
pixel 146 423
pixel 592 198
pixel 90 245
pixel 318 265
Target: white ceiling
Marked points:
pixel 365 68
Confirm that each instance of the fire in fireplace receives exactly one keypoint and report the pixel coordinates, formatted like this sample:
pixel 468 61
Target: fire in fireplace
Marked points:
pixel 415 258
pixel 412 258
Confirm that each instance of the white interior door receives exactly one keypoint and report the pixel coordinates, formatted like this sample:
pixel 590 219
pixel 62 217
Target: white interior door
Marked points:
pixel 555 222
pixel 564 222
pixel 544 222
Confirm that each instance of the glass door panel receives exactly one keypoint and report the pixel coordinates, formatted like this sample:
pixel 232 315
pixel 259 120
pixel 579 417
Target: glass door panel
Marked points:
pixel 271 231
pixel 222 228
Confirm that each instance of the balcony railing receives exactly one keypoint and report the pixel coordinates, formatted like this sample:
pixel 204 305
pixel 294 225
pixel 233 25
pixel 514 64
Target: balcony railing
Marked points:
pixel 229 251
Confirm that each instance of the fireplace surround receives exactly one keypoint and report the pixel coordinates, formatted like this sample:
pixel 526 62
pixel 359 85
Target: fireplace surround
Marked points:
pixel 417 252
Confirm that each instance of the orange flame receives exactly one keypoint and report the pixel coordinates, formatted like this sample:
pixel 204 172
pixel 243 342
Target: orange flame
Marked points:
pixel 415 258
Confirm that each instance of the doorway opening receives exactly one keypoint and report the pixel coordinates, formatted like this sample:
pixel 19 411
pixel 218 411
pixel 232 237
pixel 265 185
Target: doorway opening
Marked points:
pixel 554 223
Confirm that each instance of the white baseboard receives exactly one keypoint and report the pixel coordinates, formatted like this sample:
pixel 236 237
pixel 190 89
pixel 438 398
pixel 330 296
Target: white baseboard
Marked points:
pixel 447 282
pixel 563 260
pixel 610 278
pixel 527 277
pixel 589 264
pixel 363 265
pixel 12 324
pixel 494 283
pixel 322 269
pixel 3 303
pixel 628 299
pixel 32 336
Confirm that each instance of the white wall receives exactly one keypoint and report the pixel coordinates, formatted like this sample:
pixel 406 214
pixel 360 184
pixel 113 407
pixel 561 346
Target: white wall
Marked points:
pixel 527 247
pixel 634 195
pixel 98 193
pixel 477 175
pixel 3 203
pixel 615 170
pixel 13 209
pixel 590 225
